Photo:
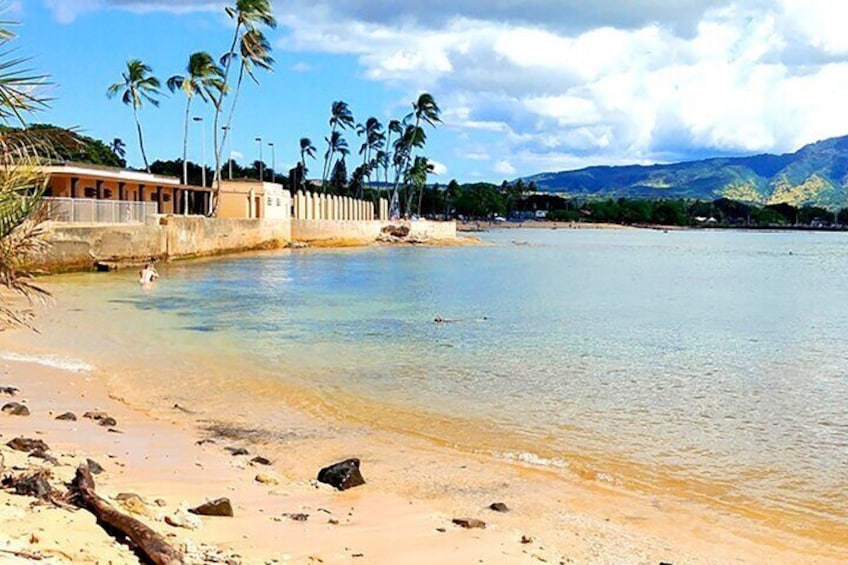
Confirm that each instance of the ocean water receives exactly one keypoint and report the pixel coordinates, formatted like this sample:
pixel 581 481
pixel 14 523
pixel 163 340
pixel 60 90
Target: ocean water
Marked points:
pixel 712 365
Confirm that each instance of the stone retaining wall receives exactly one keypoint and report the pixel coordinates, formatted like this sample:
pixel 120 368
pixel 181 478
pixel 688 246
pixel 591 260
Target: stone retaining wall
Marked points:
pixel 79 247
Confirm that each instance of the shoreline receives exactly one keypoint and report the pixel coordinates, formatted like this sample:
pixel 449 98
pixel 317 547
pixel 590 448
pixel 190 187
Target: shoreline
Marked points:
pixel 414 488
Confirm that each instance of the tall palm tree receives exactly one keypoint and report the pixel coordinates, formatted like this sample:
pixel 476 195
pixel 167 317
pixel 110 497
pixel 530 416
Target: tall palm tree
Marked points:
pixel 306 150
pixel 248 14
pixel 372 129
pixel 340 118
pixel 335 144
pixel 137 86
pixel 203 78
pixel 254 51
pixel 424 109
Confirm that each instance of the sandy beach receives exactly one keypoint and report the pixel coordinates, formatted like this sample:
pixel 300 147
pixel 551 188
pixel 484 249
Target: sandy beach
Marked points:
pixel 175 453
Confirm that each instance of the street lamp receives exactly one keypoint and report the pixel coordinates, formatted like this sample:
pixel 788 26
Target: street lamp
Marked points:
pixel 202 151
pixel 261 168
pixel 227 131
pixel 273 162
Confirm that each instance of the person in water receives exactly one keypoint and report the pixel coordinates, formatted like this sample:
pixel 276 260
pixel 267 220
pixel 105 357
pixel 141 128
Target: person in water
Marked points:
pixel 148 274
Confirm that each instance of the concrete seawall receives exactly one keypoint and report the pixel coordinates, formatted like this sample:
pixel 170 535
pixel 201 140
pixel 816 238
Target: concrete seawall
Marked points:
pixel 76 247
pixel 80 246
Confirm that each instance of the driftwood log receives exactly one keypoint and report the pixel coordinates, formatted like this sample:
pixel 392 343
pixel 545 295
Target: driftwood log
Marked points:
pixel 150 544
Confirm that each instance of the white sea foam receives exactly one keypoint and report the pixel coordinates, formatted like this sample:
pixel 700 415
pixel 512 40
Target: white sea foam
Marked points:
pixel 533 459
pixel 72 365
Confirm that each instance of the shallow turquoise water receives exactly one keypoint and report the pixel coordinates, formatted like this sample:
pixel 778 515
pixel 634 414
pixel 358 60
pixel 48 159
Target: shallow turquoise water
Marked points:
pixel 713 357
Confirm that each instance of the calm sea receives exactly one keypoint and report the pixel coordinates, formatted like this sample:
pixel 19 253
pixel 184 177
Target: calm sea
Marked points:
pixel 712 364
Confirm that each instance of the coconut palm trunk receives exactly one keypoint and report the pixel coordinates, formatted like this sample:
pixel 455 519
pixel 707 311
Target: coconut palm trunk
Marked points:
pixel 141 139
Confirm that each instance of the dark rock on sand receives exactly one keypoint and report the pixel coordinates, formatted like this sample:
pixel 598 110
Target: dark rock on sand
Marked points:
pixel 41 454
pixel 27 444
pixel 94 466
pixel 499 507
pixel 220 507
pixel 15 409
pixel 296 516
pixel 469 523
pixel 108 421
pixel 259 460
pixel 10 390
pixel 95 415
pixel 343 475
pixel 526 539
pixel 237 451
pixel 67 416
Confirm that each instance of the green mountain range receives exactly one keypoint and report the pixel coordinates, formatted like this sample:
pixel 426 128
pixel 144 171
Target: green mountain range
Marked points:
pixel 816 175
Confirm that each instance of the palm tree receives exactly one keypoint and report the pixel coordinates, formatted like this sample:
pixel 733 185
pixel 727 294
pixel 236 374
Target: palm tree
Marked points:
pixel 248 14
pixel 424 109
pixel 340 117
pixel 306 150
pixel 254 51
pixel 335 144
pixel 374 138
pixel 137 86
pixel 118 147
pixel 22 184
pixel 203 78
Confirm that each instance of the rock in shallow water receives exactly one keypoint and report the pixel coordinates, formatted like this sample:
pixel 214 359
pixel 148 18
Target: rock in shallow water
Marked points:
pixel 15 409
pixel 220 507
pixel 343 475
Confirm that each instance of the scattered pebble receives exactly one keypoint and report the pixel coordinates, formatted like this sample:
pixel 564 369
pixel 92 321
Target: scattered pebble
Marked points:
pixel 67 416
pixel 469 523
pixel 15 409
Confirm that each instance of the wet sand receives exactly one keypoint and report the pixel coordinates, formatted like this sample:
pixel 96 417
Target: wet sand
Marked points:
pixel 403 514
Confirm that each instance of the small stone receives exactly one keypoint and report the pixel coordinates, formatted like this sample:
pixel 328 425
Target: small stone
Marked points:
pixel 296 516
pixel 9 390
pixel 94 466
pixel 135 505
pixel 160 502
pixel 204 441
pixel 267 479
pixel 234 451
pixel 499 507
pixel 114 431
pixel 67 416
pixel 441 530
pixel 526 539
pixel 469 523
pixel 219 507
pixel 108 421
pixel 27 444
pixel 95 415
pixel 259 460
pixel 343 475
pixel 182 519
pixel 15 409
pixel 333 521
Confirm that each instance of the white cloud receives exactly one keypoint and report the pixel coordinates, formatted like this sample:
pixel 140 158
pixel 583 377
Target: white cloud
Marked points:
pixel 553 84
pixel 438 168
pixel 301 67
pixel 504 167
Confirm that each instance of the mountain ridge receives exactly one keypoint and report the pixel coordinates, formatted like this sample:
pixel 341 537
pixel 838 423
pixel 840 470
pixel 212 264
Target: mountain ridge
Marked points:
pixel 816 175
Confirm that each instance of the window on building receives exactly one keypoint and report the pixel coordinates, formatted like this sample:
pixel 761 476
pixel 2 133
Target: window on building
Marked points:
pixel 270 201
pixel 154 197
pixel 166 197
pixel 90 192
pixel 107 193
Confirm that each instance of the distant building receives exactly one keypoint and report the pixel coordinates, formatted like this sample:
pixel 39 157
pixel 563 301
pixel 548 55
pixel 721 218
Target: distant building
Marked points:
pixel 252 199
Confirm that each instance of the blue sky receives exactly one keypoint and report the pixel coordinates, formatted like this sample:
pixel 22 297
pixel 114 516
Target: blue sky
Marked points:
pixel 525 86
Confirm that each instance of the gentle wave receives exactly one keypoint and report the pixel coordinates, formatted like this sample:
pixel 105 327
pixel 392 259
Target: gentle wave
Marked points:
pixel 63 363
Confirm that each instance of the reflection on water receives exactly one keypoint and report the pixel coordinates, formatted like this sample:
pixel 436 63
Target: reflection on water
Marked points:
pixel 710 362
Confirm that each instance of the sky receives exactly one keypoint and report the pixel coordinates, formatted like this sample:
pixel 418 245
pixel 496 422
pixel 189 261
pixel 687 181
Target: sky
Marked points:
pixel 525 86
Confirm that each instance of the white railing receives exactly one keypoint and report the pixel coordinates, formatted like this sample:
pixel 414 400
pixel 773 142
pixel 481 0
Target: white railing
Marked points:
pixel 98 211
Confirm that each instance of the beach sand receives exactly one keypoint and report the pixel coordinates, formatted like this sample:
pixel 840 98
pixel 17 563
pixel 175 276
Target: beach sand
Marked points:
pixel 403 514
